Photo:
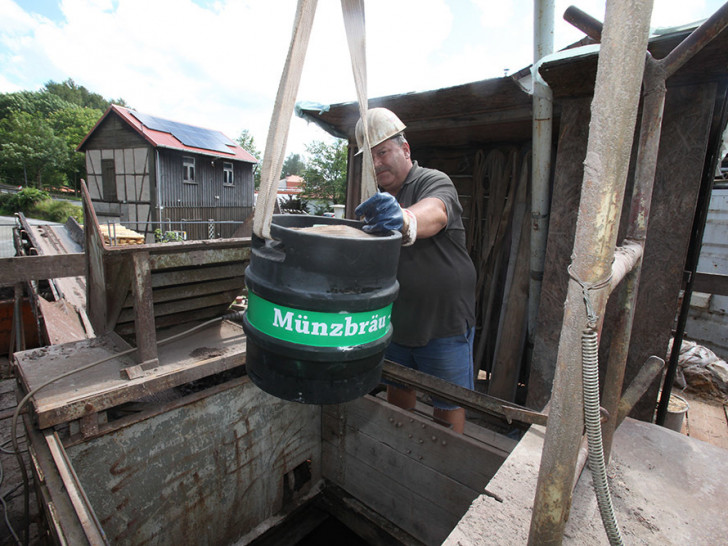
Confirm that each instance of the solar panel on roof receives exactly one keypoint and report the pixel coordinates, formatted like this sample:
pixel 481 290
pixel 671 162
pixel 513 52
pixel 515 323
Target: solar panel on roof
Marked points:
pixel 196 137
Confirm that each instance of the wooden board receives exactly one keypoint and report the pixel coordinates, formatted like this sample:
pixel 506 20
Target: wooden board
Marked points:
pixel 29 268
pixel 208 351
pixel 707 421
pixel 419 475
pixel 62 323
pixel 116 234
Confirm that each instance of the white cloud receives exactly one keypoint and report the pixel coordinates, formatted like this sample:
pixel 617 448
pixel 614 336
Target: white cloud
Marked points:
pixel 219 66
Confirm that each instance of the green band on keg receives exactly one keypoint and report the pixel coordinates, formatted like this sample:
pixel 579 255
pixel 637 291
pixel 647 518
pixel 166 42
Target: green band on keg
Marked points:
pixel 315 328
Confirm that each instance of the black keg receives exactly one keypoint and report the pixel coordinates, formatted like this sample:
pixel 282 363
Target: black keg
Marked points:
pixel 319 307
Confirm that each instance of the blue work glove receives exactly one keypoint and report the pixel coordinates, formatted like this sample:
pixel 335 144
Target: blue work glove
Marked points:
pixel 381 213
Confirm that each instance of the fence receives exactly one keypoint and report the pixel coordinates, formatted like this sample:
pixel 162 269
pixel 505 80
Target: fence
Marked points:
pixel 175 230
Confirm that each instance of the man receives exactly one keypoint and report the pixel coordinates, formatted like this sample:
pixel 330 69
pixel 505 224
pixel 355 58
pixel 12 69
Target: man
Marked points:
pixel 433 317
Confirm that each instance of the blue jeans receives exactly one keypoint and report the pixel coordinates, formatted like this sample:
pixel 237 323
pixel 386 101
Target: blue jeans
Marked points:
pixel 449 358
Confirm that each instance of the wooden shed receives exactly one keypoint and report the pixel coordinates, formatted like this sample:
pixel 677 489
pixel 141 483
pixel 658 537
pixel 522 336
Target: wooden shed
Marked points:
pixel 480 134
pixel 149 173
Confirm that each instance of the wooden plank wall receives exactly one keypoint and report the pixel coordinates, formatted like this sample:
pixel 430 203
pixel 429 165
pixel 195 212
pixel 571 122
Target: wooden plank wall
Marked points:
pixel 420 476
pixel 208 189
pixel 568 175
pixel 683 144
pixel 688 117
pixel 201 288
pixel 492 187
pixel 179 218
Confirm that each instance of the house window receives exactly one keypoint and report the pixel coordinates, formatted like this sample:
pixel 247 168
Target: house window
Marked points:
pixel 188 167
pixel 228 174
pixel 108 180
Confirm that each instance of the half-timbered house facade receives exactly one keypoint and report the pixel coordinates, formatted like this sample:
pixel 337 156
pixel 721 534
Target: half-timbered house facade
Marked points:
pixel 149 173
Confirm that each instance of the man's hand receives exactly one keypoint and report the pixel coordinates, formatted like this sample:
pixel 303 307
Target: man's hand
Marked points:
pixel 381 213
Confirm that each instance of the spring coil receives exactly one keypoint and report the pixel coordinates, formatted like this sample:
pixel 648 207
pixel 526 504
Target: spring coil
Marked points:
pixel 590 372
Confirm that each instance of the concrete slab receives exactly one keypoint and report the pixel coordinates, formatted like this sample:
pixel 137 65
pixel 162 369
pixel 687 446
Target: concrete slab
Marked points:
pixel 666 488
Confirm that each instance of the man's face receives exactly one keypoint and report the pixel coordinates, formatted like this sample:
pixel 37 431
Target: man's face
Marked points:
pixel 392 163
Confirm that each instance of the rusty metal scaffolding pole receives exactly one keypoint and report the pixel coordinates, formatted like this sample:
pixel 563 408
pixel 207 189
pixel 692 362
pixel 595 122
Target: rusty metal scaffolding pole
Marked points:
pixel 614 111
pixel 654 91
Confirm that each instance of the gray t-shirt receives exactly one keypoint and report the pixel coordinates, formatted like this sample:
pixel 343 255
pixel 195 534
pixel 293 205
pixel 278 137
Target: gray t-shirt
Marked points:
pixel 436 275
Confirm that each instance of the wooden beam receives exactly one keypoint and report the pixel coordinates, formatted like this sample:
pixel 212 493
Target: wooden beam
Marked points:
pixel 466 398
pixel 86 517
pixel 192 258
pixel 711 283
pixel 146 335
pixel 36 268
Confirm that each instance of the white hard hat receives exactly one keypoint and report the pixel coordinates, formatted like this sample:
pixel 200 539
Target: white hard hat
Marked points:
pixel 382 124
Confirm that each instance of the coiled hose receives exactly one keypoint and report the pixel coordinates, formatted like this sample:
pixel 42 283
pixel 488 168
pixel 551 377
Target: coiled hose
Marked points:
pixel 590 372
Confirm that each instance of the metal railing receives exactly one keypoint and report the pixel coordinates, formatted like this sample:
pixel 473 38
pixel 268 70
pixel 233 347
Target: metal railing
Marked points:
pixel 175 230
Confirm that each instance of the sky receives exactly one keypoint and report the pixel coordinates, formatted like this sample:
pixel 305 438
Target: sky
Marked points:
pixel 218 63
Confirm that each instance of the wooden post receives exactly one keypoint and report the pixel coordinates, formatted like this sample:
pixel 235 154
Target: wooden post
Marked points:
pixel 146 335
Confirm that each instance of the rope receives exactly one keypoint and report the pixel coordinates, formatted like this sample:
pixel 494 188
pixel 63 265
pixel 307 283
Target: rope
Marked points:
pixel 275 145
pixel 353 12
pixel 354 22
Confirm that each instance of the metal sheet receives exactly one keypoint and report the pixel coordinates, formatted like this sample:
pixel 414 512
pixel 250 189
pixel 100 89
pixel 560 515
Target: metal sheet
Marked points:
pixel 207 472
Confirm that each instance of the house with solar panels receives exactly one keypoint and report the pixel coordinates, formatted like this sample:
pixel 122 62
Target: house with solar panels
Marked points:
pixel 148 173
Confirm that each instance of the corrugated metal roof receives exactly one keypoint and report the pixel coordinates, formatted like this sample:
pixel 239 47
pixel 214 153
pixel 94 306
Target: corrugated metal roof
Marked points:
pixel 163 139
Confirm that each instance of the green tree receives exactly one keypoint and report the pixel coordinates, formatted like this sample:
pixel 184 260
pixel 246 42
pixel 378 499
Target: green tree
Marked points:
pixel 72 124
pixel 23 201
pixel 30 151
pixel 247 143
pixel 35 103
pixel 78 95
pixel 61 112
pixel 325 173
pixel 294 164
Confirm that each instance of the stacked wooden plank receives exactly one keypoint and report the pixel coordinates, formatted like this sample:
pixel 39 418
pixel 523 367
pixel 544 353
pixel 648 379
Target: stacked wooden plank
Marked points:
pixel 116 234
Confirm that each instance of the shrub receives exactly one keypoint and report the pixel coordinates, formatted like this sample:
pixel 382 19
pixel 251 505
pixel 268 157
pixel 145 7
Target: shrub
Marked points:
pixel 57 211
pixel 320 208
pixel 27 198
pixel 5 203
pixel 167 236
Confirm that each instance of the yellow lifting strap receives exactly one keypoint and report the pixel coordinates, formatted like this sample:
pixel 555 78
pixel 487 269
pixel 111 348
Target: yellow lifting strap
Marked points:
pixel 275 146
